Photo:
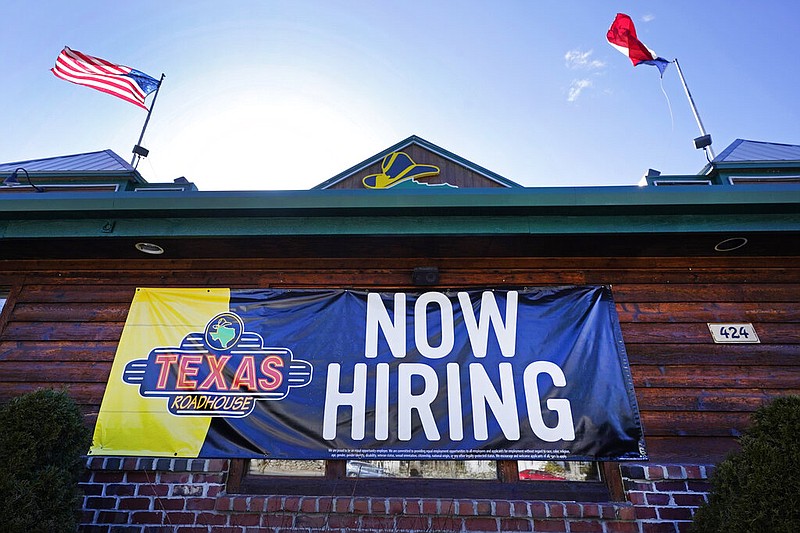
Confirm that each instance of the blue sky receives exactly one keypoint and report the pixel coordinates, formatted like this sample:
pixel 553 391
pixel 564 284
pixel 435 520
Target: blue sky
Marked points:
pixel 286 94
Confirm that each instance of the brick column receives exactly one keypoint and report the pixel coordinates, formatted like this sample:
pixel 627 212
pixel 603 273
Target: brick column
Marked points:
pixel 665 497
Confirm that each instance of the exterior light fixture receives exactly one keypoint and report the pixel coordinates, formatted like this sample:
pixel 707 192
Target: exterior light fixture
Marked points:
pixel 149 248
pixel 13 179
pixel 729 245
pixel 703 141
pixel 425 276
pixel 141 151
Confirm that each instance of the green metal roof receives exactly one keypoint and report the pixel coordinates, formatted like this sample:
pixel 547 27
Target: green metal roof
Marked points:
pixel 745 155
pixel 743 150
pixel 102 163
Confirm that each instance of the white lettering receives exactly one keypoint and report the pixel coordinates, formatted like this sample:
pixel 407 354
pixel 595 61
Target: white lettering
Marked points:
pixel 407 401
pixel 334 398
pixel 564 429
pixel 394 329
pixel 478 330
pixel 378 317
pixel 454 411
pixel 484 393
pixel 418 387
pixel 382 401
pixel 421 325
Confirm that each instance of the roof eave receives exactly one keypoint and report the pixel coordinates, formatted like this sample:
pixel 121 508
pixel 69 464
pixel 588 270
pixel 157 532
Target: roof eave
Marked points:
pixel 561 200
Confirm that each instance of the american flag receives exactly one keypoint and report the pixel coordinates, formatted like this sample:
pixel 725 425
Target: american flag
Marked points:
pixel 123 82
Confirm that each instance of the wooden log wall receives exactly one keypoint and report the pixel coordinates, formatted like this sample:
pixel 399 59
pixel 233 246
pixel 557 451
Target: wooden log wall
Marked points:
pixel 62 322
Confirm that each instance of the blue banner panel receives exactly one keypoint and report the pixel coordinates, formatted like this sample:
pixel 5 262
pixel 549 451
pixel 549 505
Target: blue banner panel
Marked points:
pixel 337 374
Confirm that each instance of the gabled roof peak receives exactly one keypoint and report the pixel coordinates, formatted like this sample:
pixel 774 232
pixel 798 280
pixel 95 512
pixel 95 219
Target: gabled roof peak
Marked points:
pixel 413 143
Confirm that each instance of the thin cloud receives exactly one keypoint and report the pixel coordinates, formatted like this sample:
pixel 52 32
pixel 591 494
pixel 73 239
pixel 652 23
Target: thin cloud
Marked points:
pixel 577 59
pixel 649 17
pixel 577 88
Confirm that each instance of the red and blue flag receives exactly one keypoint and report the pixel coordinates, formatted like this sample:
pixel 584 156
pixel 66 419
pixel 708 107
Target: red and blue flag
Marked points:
pixel 622 36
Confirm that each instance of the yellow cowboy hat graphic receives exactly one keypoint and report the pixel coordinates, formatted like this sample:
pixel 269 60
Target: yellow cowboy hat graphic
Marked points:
pixel 398 167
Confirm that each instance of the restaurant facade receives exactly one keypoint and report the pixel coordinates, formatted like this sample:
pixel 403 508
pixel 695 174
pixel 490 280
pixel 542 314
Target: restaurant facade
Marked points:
pixel 416 344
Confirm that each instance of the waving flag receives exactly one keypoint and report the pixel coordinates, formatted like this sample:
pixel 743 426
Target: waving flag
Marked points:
pixel 123 82
pixel 622 36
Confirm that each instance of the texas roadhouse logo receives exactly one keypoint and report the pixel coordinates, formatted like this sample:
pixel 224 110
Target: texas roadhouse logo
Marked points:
pixel 221 371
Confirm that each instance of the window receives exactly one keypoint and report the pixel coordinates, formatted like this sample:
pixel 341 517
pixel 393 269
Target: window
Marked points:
pixel 672 182
pixel 567 480
pixel 277 467
pixel 7 298
pixel 751 180
pixel 380 469
pixel 528 470
pixel 558 471
pixel 5 293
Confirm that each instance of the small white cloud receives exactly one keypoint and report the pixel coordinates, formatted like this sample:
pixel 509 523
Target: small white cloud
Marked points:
pixel 577 88
pixel 577 59
pixel 649 17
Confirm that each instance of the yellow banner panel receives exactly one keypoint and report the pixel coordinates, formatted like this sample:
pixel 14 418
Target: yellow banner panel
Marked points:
pixel 129 424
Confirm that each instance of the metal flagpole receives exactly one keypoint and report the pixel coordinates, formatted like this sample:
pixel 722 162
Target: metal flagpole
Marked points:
pixel 138 149
pixel 705 140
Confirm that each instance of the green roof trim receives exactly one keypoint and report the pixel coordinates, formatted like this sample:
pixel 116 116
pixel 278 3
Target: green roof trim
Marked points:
pixel 580 210
pixel 398 226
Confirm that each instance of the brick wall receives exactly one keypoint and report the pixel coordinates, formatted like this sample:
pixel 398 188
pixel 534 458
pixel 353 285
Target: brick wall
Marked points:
pixel 137 494
pixel 665 497
pixel 188 495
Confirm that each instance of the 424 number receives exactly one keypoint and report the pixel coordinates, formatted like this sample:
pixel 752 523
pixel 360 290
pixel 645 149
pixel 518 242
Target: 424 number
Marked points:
pixel 734 332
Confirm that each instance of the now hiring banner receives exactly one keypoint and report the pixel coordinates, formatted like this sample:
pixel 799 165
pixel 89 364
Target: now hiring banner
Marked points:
pixel 539 373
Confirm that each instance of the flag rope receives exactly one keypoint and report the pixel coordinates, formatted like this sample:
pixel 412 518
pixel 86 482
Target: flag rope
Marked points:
pixel 669 106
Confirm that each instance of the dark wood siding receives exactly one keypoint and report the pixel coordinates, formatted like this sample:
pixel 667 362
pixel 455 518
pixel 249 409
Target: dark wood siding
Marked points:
pixel 63 320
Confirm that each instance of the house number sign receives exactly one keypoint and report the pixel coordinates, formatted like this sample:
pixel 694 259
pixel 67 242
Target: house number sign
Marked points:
pixel 733 333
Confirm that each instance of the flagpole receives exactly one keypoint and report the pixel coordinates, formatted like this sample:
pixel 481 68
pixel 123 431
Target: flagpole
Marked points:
pixel 694 111
pixel 138 150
